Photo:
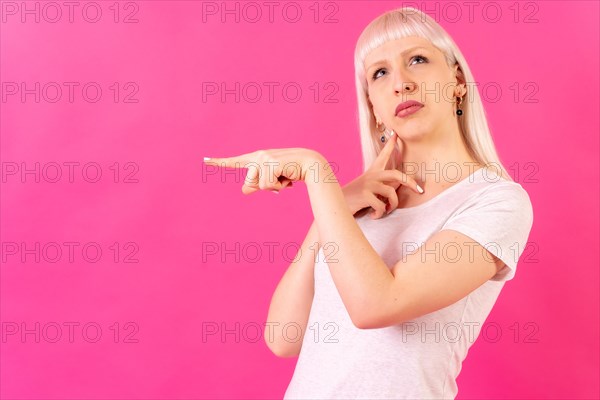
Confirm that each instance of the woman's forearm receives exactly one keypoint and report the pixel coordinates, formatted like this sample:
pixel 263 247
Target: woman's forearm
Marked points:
pixel 360 275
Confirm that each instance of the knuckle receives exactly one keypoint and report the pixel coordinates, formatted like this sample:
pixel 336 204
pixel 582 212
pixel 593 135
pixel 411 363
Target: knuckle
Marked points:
pixel 261 153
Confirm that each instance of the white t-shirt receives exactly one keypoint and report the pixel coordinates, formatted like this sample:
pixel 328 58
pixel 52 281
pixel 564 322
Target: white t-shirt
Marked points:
pixel 421 358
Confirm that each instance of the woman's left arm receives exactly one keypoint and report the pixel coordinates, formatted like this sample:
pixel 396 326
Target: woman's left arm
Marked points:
pixel 360 275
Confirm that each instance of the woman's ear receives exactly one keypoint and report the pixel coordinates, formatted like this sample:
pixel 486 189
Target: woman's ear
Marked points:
pixel 377 119
pixel 373 110
pixel 461 85
pixel 369 102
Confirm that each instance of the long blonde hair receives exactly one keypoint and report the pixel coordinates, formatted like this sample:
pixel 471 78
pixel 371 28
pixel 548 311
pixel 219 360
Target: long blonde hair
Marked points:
pixel 409 21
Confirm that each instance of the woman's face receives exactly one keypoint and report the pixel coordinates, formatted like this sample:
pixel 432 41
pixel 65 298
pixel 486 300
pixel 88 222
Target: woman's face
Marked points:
pixel 411 68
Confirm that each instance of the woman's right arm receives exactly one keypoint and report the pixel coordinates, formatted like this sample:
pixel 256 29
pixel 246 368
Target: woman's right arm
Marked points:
pixel 292 300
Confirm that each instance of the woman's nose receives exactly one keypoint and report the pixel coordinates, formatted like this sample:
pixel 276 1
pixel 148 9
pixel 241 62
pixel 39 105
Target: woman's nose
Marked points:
pixel 403 85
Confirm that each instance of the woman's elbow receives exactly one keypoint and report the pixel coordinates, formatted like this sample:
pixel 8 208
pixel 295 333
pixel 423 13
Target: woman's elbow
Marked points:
pixel 284 351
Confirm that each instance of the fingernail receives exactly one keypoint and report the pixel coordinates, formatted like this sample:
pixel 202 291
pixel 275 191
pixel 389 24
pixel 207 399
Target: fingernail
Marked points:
pixel 206 158
pixel 419 188
pixel 276 191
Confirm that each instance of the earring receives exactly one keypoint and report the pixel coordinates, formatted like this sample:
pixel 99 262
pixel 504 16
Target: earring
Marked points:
pixel 379 124
pixel 459 111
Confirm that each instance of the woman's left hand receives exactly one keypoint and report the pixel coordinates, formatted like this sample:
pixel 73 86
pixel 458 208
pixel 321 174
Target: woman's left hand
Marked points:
pixel 272 169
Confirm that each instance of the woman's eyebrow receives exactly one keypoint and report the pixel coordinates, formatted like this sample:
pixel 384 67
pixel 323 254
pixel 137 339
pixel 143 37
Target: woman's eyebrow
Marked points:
pixel 383 61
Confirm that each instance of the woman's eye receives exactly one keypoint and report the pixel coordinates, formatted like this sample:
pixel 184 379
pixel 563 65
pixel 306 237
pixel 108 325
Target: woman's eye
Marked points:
pixel 374 76
pixel 419 57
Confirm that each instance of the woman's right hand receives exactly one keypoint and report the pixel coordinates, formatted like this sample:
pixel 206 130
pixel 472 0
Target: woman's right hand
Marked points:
pixel 377 184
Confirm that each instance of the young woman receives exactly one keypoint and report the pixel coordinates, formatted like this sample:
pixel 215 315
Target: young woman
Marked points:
pixel 414 252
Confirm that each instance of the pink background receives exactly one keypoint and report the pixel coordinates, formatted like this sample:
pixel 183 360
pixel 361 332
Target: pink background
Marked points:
pixel 166 209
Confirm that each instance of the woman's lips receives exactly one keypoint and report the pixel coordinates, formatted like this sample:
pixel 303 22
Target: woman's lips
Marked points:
pixel 405 112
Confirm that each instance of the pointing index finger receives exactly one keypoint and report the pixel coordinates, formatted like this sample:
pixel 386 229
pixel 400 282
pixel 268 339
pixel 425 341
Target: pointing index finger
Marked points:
pixel 240 161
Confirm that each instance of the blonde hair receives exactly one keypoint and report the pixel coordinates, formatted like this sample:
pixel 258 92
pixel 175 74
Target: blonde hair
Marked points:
pixel 409 21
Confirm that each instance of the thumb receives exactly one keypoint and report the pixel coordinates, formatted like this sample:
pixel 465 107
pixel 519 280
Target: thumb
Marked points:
pixel 249 190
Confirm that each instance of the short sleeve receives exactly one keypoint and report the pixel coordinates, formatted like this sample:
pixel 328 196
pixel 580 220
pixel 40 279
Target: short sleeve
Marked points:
pixel 499 218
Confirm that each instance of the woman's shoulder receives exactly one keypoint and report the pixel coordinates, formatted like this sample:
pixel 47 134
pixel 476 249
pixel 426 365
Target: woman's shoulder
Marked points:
pixel 496 188
pixel 494 175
